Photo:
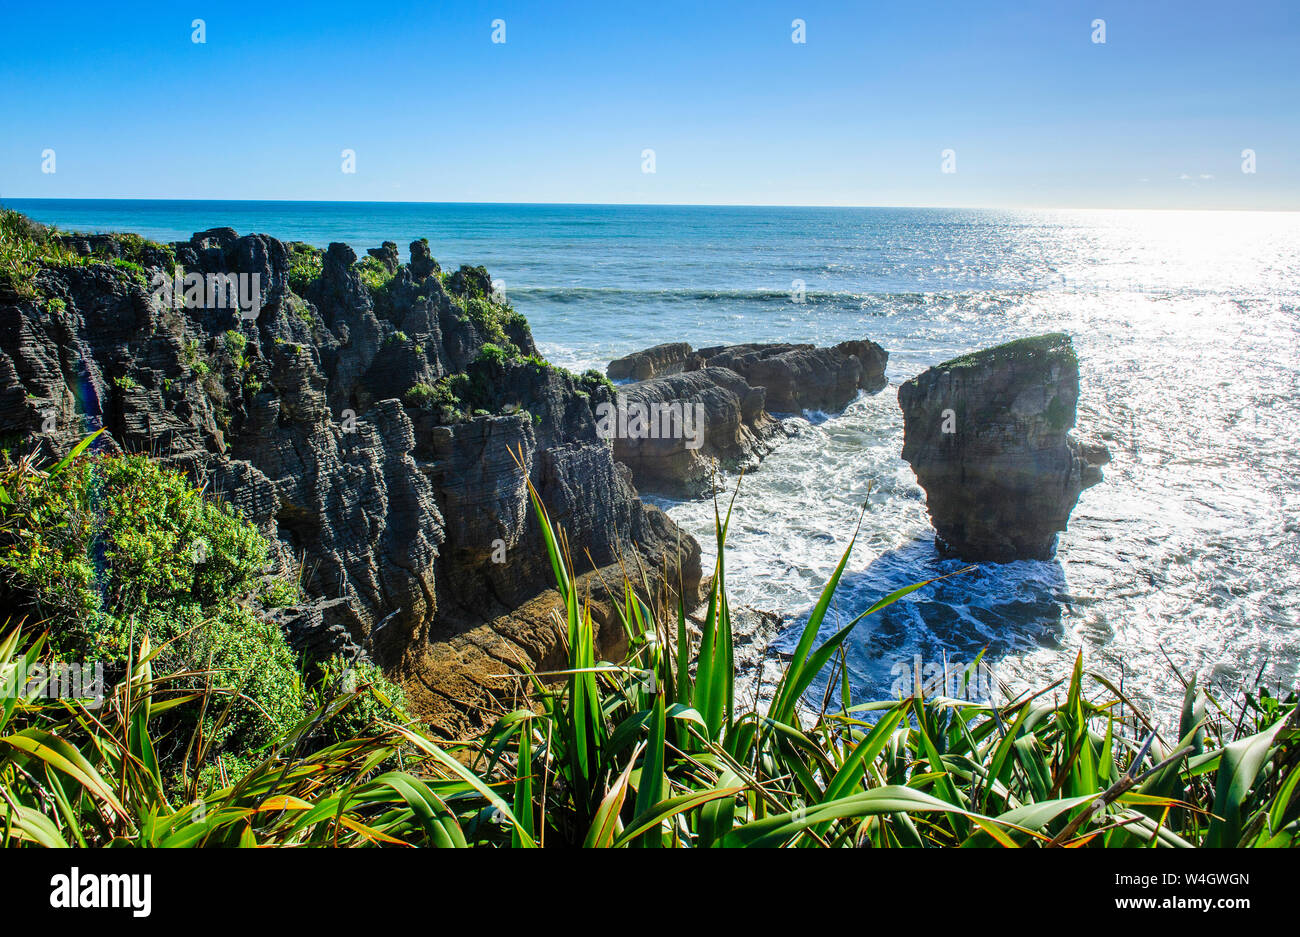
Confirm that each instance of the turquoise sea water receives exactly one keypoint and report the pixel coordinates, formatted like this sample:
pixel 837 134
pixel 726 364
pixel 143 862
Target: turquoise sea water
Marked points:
pixel 1188 332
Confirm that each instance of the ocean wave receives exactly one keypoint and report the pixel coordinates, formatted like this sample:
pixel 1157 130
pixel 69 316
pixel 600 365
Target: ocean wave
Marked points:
pixel 589 294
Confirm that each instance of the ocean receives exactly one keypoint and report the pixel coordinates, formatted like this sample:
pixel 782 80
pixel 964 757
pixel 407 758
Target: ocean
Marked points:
pixel 1185 560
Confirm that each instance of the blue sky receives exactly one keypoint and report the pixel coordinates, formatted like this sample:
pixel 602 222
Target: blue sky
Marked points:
pixel 737 113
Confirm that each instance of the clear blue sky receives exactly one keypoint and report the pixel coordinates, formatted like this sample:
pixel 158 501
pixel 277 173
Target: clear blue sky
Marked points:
pixel 1037 113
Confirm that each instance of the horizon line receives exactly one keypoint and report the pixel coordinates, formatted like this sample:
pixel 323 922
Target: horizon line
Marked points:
pixel 273 201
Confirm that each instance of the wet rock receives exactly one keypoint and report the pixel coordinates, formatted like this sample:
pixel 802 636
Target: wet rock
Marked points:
pixel 736 388
pixel 873 359
pixel 669 358
pixel 675 432
pixel 803 377
pixel 796 377
pixel 988 435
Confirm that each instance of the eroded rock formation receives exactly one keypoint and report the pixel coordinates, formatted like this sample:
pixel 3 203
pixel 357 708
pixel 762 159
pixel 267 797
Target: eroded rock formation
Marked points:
pixel 377 420
pixel 988 435
pixel 722 424
pixel 669 358
pixel 737 388
pixel 805 377
pixel 795 377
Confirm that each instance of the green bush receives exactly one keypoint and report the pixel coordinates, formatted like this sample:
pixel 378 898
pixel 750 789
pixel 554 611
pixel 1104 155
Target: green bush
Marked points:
pixel 493 320
pixel 447 393
pixel 244 658
pixel 420 394
pixel 113 533
pixel 25 246
pixel 112 548
pixel 141 251
pixel 337 677
pixel 493 353
pixel 305 265
pixel 279 592
pixel 374 274
pixel 591 379
pixel 235 343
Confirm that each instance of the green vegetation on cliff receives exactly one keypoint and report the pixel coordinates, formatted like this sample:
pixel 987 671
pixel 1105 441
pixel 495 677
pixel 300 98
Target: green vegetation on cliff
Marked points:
pixel 1035 348
pixel 26 246
pixel 305 265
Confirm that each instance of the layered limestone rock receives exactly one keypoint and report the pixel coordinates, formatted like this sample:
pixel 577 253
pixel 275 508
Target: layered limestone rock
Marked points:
pixel 804 377
pixel 795 377
pixel 378 421
pixel 988 435
pixel 722 400
pixel 669 358
pixel 674 432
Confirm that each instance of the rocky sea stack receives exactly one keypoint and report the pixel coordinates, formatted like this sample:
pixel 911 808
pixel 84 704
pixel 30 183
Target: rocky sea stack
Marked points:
pixel 988 435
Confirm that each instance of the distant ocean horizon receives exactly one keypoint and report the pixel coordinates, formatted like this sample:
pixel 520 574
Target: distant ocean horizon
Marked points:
pixel 1188 330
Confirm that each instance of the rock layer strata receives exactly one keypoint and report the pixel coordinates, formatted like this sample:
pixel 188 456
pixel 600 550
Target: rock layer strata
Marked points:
pixel 989 437
pixel 737 389
pixel 378 421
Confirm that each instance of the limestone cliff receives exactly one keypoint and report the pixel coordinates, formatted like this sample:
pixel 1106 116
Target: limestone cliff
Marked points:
pixel 377 420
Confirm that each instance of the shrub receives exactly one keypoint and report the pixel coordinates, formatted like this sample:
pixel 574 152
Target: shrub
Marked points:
pixel 305 265
pixel 25 246
pixel 235 343
pixel 145 253
pixel 280 592
pixel 244 658
pixel 112 533
pixel 591 379
pixel 420 394
pixel 493 353
pixel 112 548
pixel 444 395
pixel 374 274
pixel 494 320
pixel 337 677
pixel 132 269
